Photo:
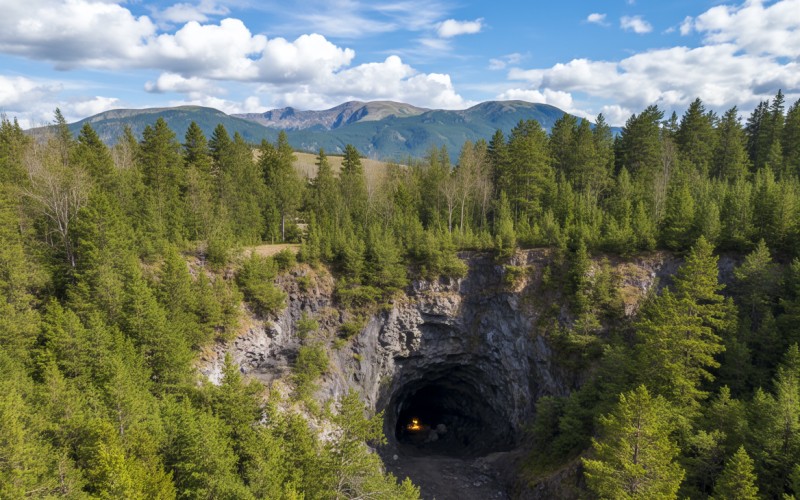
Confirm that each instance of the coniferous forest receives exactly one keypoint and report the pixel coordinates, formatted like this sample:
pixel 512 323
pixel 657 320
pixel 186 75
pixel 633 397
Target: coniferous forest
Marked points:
pixel 120 265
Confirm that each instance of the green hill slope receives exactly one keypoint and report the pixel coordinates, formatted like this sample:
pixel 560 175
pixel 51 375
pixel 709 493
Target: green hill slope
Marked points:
pixel 389 138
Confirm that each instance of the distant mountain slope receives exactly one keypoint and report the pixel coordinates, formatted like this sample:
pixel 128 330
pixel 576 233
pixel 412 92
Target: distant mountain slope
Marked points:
pixel 329 119
pixel 380 130
pixel 110 124
pixel 396 138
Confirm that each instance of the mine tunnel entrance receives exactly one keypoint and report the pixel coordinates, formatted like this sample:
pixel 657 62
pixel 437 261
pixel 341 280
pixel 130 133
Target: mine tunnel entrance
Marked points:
pixel 451 411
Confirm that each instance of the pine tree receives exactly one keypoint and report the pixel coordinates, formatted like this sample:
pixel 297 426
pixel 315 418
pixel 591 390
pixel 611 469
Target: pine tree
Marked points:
pixel 284 184
pixel 353 186
pixel 162 167
pixel 738 479
pixel 639 145
pixel 696 138
pixel 790 140
pixel 729 161
pixel 680 332
pixel 635 452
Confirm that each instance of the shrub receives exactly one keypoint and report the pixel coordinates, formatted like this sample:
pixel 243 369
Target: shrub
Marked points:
pixel 305 325
pixel 312 361
pixel 285 260
pixel 255 280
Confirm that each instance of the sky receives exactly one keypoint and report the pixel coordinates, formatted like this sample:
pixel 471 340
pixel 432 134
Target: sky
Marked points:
pixel 584 56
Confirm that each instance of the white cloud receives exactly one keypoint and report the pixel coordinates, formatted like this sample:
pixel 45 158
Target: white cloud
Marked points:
pixel 451 28
pixel 308 57
pixel 171 82
pixel 497 64
pixel 17 92
pixel 33 101
pixel 90 106
pixel 743 61
pixel 357 19
pixel 637 24
pixel 185 12
pixel 757 28
pixel 388 80
pixel 687 25
pixel 597 18
pixel 506 60
pixel 251 104
pixel 557 98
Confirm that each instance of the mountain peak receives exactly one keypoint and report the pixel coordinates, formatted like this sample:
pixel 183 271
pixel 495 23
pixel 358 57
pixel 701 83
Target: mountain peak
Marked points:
pixel 344 114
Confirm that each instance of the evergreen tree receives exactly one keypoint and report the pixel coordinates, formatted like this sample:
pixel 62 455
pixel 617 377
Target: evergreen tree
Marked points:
pixel 696 138
pixel 729 161
pixel 738 480
pixel 639 145
pixel 353 186
pixel 284 184
pixel 162 168
pixel 635 452
pixel 790 140
pixel 680 332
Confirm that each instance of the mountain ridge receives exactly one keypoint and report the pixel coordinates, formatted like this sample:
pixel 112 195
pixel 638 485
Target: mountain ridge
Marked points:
pixel 383 130
pixel 290 118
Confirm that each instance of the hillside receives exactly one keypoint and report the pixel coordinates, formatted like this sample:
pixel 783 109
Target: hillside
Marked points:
pixel 379 130
pixel 110 125
pixel 344 114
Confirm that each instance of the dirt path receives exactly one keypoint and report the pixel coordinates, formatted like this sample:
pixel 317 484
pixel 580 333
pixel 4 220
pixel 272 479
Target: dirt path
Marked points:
pixel 270 250
pixel 448 478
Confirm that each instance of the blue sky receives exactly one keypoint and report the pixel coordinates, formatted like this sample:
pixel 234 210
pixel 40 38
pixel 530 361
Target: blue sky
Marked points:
pixel 586 57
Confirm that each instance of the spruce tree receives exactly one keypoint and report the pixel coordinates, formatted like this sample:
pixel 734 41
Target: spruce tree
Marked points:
pixel 635 453
pixel 738 479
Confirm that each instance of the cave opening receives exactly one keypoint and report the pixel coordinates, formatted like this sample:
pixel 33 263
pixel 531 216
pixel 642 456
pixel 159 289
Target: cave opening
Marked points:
pixel 451 411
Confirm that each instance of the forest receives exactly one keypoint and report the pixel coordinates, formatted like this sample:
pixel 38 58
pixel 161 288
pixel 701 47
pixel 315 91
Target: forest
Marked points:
pixel 101 318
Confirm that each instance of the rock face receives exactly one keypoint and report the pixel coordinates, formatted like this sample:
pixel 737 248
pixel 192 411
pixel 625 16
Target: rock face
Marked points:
pixel 466 353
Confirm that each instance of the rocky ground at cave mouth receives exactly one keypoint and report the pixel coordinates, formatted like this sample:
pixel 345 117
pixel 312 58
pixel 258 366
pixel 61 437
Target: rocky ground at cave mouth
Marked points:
pixel 443 477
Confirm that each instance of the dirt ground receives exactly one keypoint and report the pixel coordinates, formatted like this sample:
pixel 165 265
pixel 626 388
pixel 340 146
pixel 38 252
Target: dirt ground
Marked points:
pixel 443 477
pixel 270 250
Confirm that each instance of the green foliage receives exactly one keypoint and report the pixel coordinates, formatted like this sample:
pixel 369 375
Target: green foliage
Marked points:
pixel 737 481
pixel 311 363
pixel 635 452
pixel 255 279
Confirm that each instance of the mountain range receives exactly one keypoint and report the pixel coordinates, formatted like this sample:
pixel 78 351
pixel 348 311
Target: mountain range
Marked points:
pixel 382 130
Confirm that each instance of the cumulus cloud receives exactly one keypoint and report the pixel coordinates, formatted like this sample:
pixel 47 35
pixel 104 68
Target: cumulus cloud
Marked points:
pixel 597 18
pixel 637 24
pixel 391 79
pixel 557 98
pixel 757 28
pixel 16 92
pixel 743 60
pixel 90 106
pixel 33 101
pixel 197 58
pixel 172 82
pixel 451 28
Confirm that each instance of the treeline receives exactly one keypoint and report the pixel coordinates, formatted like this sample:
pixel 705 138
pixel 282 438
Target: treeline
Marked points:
pixel 101 320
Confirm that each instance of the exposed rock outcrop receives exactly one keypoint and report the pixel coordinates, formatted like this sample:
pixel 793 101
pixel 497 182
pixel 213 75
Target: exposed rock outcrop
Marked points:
pixel 470 347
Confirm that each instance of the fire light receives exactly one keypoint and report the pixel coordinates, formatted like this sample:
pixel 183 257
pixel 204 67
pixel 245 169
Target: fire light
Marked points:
pixel 414 425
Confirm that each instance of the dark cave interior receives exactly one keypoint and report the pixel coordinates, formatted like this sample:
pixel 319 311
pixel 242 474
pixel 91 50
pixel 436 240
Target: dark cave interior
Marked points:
pixel 458 411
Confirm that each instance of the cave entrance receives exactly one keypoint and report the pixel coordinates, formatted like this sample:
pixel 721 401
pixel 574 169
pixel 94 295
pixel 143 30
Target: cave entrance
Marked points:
pixel 451 411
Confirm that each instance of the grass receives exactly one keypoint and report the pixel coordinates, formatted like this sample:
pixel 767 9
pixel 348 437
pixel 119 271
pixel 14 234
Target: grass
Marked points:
pixel 375 171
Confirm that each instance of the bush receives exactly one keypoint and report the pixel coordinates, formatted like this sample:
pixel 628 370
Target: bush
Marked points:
pixel 312 361
pixel 255 280
pixel 285 260
pixel 350 329
pixel 305 326
pixel 352 295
